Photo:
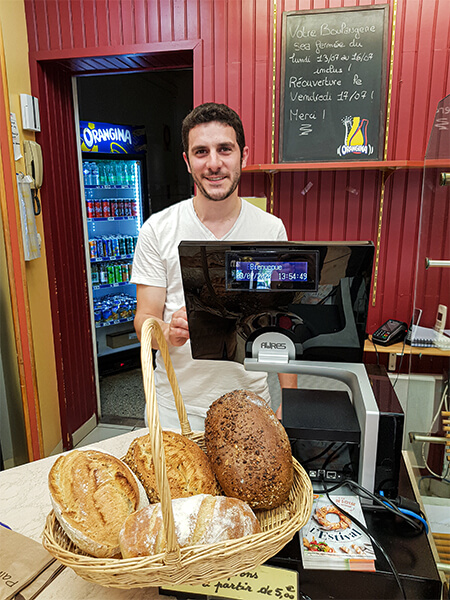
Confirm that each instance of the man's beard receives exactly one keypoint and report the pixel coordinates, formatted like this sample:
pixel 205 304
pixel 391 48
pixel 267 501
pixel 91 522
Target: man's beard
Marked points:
pixel 223 195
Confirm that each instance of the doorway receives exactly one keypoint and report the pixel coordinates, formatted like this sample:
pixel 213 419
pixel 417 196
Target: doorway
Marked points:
pixel 157 102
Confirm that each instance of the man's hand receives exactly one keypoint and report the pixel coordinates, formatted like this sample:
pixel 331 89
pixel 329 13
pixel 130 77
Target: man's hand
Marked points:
pixel 178 330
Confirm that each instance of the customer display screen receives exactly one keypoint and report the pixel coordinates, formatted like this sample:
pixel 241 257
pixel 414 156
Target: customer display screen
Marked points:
pixel 248 272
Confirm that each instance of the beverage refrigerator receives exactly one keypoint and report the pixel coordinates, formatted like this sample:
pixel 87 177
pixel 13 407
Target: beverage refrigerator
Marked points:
pixel 114 176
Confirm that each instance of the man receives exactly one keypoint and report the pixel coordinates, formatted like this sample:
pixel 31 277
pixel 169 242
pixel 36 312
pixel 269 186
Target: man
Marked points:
pixel 215 153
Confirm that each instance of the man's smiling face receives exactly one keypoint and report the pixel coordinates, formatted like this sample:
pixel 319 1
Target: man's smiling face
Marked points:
pixel 215 160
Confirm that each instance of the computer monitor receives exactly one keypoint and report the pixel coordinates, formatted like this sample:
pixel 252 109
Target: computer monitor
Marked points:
pixel 279 301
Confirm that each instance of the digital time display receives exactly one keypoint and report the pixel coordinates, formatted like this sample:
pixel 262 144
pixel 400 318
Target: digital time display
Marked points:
pixel 261 274
pixel 271 272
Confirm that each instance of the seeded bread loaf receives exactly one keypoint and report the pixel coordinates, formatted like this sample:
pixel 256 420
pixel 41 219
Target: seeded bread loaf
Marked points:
pixel 200 519
pixel 92 494
pixel 249 450
pixel 188 468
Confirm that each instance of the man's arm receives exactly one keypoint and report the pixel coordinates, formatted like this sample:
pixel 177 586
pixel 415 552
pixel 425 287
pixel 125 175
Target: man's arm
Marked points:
pixel 287 380
pixel 150 303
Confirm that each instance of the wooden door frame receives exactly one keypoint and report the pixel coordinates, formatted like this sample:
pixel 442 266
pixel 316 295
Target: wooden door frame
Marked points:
pixel 44 68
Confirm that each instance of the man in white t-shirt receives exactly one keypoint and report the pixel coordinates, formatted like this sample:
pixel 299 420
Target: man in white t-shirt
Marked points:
pixel 215 153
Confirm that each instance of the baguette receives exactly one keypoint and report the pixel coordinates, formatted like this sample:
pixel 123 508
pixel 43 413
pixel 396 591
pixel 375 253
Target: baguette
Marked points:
pixel 200 519
pixel 92 493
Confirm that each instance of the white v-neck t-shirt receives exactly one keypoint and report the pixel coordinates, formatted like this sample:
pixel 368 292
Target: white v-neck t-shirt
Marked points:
pixel 156 263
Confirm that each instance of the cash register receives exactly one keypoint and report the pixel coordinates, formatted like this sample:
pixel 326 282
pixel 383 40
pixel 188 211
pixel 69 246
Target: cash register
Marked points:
pixel 301 307
pixel 297 307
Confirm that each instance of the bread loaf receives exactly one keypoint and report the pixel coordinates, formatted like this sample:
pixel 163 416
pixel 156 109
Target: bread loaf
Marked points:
pixel 188 468
pixel 200 519
pixel 92 494
pixel 249 450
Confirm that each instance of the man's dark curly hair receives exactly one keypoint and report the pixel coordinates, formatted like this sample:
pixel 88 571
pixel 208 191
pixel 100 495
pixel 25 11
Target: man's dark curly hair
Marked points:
pixel 210 111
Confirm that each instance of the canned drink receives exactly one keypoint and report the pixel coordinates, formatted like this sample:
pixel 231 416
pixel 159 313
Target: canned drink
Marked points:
pixel 115 246
pixel 124 267
pixel 103 275
pixel 111 275
pixel 120 207
pixel 114 208
pixel 127 208
pixel 95 274
pixel 130 244
pixel 118 273
pixel 98 209
pixel 106 208
pixel 122 248
pixel 103 247
pixel 90 210
pixel 134 209
pixel 93 248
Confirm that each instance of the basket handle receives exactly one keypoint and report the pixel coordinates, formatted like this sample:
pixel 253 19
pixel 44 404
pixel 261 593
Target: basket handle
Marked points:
pixel 151 328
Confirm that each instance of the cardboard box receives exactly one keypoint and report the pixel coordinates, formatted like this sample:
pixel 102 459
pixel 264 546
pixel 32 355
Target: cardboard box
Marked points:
pixel 124 338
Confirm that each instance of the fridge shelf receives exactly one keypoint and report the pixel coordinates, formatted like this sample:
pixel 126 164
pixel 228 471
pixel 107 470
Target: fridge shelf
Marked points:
pixel 109 187
pixel 102 286
pixel 95 219
pixel 112 258
pixel 114 322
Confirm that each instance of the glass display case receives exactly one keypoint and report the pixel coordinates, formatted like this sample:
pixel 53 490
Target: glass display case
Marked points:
pixel 427 430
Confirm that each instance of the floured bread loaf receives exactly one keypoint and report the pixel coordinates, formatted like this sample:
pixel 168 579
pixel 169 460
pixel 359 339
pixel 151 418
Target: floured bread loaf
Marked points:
pixel 200 519
pixel 249 450
pixel 92 494
pixel 188 468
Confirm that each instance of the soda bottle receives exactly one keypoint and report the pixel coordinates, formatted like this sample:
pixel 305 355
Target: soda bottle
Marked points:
pixel 86 172
pixel 108 173
pixel 120 172
pixel 133 166
pixel 102 173
pixel 95 176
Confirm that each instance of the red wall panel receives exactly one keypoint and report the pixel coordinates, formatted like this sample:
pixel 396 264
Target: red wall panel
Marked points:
pixel 233 63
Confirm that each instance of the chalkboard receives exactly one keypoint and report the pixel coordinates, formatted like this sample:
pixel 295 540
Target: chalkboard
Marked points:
pixel 333 83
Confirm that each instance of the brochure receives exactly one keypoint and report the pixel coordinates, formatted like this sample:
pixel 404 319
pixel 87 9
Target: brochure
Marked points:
pixel 330 539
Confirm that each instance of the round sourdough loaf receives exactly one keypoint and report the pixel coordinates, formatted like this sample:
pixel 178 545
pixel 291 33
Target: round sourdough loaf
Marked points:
pixel 249 450
pixel 92 494
pixel 200 519
pixel 188 468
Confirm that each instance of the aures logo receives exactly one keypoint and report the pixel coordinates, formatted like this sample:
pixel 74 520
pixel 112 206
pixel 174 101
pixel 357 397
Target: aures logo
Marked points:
pixel 273 345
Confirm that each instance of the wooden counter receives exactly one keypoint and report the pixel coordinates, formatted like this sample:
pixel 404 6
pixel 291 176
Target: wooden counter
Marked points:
pixel 405 349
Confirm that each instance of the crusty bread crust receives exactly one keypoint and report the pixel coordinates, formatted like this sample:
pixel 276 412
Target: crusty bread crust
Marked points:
pixel 92 494
pixel 249 450
pixel 188 468
pixel 200 519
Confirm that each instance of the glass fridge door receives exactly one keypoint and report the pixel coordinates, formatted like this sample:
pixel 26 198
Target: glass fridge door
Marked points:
pixel 427 426
pixel 113 194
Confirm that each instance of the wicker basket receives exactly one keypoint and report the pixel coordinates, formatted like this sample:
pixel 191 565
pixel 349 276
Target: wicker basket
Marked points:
pixel 194 564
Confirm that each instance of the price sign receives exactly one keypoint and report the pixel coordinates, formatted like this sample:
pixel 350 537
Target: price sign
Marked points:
pixel 257 584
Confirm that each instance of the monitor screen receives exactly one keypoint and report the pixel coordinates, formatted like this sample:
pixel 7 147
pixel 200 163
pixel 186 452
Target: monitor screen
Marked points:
pixel 271 270
pixel 315 294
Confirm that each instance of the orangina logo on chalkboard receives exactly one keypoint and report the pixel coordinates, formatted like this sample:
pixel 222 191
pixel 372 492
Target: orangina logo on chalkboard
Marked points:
pixel 355 139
